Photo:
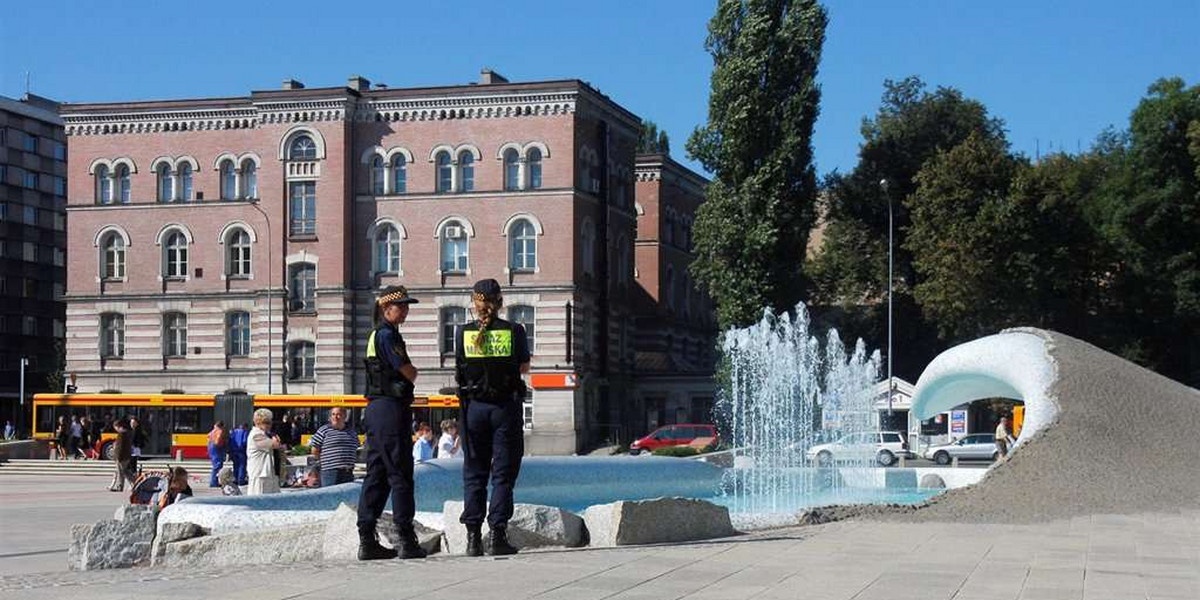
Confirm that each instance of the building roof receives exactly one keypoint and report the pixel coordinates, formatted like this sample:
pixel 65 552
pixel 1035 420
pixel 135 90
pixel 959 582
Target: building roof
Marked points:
pixel 33 107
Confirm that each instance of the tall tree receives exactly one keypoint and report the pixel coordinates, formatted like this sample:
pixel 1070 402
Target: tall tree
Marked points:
pixel 753 227
pixel 652 140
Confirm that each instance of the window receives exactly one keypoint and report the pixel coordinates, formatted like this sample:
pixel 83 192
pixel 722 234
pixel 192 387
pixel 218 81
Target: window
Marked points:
pixel 29 252
pixel 237 334
pixel 166 184
pixel 523 315
pixel 103 186
pixel 29 325
pixel 29 215
pixel 112 259
pixel 30 180
pixel 451 318
pixel 399 175
pixel 466 168
pixel 522 246
pixel 387 250
pixel 587 241
pixel 454 248
pixel 112 335
pixel 30 143
pixel 249 179
pixel 174 334
pixel 303 361
pixel 123 183
pixel 60 257
pixel 228 181
pixel 59 149
pixel 176 255
pixel 239 254
pixel 512 170
pixel 533 163
pixel 60 185
pixel 304 207
pixel 445 172
pixel 302 148
pixel 59 328
pixel 377 176
pixel 304 288
pixel 185 179
pixel 60 221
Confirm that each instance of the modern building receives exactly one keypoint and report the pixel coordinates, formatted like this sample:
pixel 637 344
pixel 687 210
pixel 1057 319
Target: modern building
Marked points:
pixel 33 193
pixel 235 244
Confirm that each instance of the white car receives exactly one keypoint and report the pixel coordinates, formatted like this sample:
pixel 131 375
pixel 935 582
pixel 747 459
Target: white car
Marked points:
pixel 882 446
pixel 977 446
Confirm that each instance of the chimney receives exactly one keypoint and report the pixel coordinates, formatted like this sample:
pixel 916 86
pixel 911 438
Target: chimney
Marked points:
pixel 489 77
pixel 358 83
pixel 292 84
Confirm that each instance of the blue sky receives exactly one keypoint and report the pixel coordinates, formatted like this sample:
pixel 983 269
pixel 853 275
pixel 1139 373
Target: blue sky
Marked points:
pixel 1058 72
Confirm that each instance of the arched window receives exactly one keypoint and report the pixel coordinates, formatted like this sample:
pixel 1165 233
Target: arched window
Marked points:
pixel 512 170
pixel 103 186
pixel 112 259
pixel 303 292
pixel 524 315
pixel 522 246
pixel 399 174
pixel 185 181
pixel 112 335
pixel 377 176
pixel 533 164
pixel 450 317
pixel 387 250
pixel 249 179
pixel 238 246
pixel 303 361
pixel 174 334
pixel 668 288
pixel 669 228
pixel 445 172
pixel 228 181
pixel 302 148
pixel 123 184
pixel 237 333
pixel 587 243
pixel 166 184
pixel 466 170
pixel 176 256
pixel 454 247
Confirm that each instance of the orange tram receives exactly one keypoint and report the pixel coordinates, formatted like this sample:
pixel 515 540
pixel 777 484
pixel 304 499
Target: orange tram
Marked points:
pixel 178 424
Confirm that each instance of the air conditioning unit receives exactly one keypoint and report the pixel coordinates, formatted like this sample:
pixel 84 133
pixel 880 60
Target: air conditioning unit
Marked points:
pixel 455 232
pixel 594 186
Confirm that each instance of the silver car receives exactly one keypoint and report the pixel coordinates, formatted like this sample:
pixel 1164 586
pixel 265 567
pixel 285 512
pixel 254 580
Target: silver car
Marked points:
pixel 977 446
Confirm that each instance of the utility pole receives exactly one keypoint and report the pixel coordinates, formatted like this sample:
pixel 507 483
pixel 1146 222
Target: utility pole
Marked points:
pixel 270 303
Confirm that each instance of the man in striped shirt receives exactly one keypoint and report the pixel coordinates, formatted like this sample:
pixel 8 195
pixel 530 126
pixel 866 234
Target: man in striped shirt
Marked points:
pixel 336 448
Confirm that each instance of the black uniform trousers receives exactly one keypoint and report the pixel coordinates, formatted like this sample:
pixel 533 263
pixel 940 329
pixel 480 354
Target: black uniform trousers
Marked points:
pixel 495 444
pixel 389 465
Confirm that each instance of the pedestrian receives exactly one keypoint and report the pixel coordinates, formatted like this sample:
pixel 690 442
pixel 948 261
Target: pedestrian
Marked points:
pixel 229 486
pixel 62 438
pixel 448 444
pixel 174 488
pixel 237 452
pixel 390 378
pixel 86 440
pixel 1002 437
pixel 423 448
pixel 218 443
pixel 10 432
pixel 122 456
pixel 260 452
pixel 284 431
pixel 76 442
pixel 490 357
pixel 335 447
pixel 138 439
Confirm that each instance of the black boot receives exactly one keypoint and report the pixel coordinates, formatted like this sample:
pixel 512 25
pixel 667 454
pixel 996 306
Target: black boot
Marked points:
pixel 409 546
pixel 369 548
pixel 499 545
pixel 474 540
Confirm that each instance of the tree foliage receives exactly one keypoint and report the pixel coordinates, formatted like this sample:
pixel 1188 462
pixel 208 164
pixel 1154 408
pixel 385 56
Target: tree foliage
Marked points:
pixel 753 227
pixel 652 140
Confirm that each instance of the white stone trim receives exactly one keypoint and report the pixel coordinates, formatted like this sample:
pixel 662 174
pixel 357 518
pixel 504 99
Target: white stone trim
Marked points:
pixel 249 156
pixel 225 156
pixel 370 153
pixel 536 144
pixel 374 228
pixel 154 164
pixel 110 229
pixel 509 146
pixel 303 256
pixel 187 159
pixel 230 226
pixel 101 162
pixel 443 148
pixel 286 140
pixel 466 223
pixel 392 152
pixel 472 148
pixel 124 160
pixel 187 233
pixel 373 231
pixel 527 216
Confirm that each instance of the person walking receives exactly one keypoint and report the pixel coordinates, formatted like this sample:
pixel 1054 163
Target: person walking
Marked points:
pixel 335 447
pixel 284 431
pixel 237 452
pixel 62 438
pixel 448 444
pixel 491 355
pixel 76 447
pixel 122 456
pixel 86 440
pixel 260 452
pixel 1002 437
pixel 138 439
pixel 10 432
pixel 390 378
pixel 218 445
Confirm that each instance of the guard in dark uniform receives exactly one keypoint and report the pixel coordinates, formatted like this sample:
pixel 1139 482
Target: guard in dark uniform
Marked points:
pixel 390 377
pixel 490 357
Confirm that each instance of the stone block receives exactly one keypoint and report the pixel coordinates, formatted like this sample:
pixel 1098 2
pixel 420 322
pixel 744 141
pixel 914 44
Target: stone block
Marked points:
pixel 531 526
pixel 340 541
pixel 298 543
pixel 933 481
pixel 122 542
pixel 656 521
pixel 172 532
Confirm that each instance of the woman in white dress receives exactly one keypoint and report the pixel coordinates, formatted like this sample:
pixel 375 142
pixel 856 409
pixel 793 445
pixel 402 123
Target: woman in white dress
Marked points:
pixel 260 461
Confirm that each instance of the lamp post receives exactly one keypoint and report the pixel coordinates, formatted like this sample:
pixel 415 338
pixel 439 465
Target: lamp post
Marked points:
pixel 270 302
pixel 883 185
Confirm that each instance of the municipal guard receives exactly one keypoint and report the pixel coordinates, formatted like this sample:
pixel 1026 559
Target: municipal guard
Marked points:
pixel 390 377
pixel 490 357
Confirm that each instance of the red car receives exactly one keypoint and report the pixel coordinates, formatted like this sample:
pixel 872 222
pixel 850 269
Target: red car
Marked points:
pixel 673 435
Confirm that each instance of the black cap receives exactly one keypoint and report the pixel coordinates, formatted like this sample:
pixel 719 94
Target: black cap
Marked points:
pixel 395 294
pixel 489 288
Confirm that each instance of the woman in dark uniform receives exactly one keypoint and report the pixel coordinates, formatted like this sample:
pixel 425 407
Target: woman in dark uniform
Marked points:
pixel 490 357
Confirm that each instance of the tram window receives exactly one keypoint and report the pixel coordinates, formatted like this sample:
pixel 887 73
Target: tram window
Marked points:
pixel 192 420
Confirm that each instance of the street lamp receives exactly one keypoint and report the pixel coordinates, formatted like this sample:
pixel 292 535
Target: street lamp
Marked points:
pixel 883 185
pixel 24 363
pixel 270 302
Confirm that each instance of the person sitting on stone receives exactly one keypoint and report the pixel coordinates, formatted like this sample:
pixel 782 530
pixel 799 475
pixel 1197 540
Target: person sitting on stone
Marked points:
pixel 175 488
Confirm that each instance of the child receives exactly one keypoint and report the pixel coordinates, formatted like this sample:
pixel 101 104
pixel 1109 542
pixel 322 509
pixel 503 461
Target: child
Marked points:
pixel 228 485
pixel 448 444
pixel 176 488
pixel 423 449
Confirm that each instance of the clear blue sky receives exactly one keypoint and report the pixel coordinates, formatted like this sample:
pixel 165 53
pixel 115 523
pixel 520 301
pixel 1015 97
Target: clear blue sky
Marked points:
pixel 1058 72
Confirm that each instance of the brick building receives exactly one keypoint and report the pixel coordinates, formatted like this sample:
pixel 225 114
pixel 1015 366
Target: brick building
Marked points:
pixel 234 244
pixel 33 190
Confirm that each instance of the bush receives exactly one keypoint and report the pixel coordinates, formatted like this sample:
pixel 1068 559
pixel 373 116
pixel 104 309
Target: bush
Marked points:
pixel 681 451
pixel 300 450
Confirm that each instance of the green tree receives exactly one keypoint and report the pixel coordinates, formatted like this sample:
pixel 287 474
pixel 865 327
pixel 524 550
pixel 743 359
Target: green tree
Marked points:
pixel 651 140
pixel 753 227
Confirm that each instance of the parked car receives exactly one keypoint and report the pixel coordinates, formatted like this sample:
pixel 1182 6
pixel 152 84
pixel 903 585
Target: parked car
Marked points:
pixel 673 435
pixel 882 446
pixel 977 446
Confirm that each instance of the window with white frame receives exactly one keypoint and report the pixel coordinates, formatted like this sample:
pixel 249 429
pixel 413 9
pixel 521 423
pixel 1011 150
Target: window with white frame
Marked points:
pixel 378 176
pixel 249 179
pixel 450 317
pixel 175 256
pixel 454 247
pixel 523 314
pixel 124 185
pixel 166 183
pixel 466 171
pixel 387 250
pixel 237 333
pixel 302 148
pixel 174 334
pixel 533 164
pixel 303 292
pixel 104 190
pixel 445 172
pixel 185 182
pixel 112 257
pixel 303 206
pixel 512 170
pixel 303 361
pixel 238 249
pixel 228 181
pixel 112 335
pixel 399 174
pixel 522 246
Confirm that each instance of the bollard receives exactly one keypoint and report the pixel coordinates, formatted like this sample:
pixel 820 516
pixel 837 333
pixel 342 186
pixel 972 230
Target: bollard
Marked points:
pixel 954 462
pixel 178 455
pixel 902 459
